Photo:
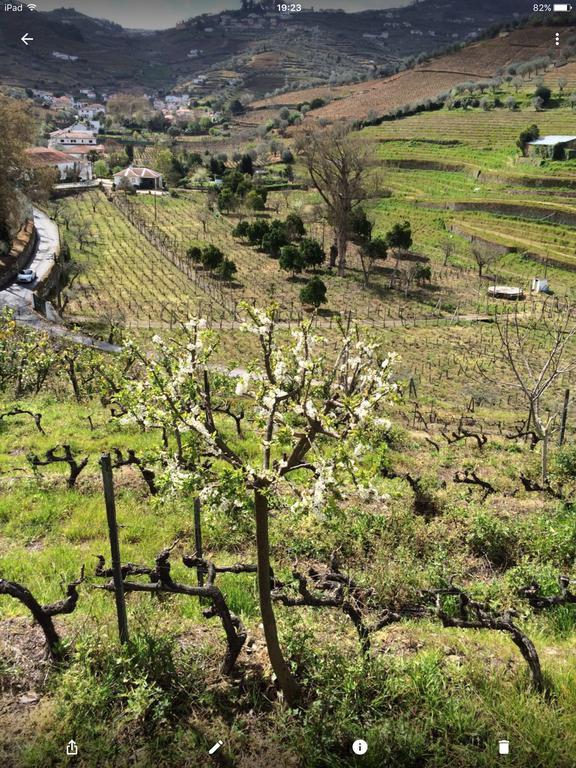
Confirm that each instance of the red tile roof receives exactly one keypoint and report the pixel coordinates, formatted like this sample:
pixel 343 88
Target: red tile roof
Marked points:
pixel 81 149
pixel 46 156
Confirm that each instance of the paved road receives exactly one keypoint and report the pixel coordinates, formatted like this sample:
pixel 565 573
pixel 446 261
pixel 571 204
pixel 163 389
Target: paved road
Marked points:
pixel 20 298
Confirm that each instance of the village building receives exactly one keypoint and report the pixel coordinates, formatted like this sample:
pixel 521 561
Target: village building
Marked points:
pixel 63 102
pixel 89 111
pixel 78 141
pixel 69 168
pixel 177 100
pixel 74 135
pixel 64 56
pixel 138 178
pixel 554 147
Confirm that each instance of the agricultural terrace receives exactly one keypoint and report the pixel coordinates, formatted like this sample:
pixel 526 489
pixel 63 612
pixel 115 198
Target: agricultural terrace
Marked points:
pixel 259 278
pixel 474 62
pixel 475 138
pixel 459 170
pixel 121 277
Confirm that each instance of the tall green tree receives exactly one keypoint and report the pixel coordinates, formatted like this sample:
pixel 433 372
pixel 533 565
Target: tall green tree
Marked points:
pixel 16 133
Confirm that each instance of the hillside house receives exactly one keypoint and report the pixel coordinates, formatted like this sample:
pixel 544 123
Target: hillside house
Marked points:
pixel 68 167
pixel 64 56
pixel 89 111
pixel 63 103
pixel 138 178
pixel 555 147
pixel 78 134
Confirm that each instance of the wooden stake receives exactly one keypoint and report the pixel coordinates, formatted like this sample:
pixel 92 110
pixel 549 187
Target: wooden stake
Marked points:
pixel 198 538
pixel 108 482
pixel 564 417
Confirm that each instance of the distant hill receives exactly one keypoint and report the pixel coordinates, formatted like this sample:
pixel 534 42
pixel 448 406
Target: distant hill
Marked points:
pixel 476 61
pixel 264 54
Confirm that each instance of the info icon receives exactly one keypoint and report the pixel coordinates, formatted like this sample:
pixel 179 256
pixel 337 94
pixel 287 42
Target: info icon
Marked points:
pixel 360 747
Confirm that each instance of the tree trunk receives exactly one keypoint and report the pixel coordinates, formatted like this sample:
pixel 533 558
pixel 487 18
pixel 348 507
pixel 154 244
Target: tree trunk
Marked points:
pixel 544 457
pixel 286 680
pixel 342 243
pixel 333 255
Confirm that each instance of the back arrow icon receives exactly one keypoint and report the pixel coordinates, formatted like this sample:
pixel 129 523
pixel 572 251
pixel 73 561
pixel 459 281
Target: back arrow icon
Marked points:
pixel 26 38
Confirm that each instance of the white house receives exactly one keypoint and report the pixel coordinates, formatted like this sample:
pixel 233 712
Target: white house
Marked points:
pixel 539 285
pixel 89 111
pixel 74 135
pixel 138 178
pixel 177 99
pixel 69 167
pixel 64 56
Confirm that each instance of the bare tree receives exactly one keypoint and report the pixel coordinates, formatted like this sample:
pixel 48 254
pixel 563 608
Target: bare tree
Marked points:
pixel 539 352
pixel 448 247
pixel 338 164
pixel 483 256
pixel 82 234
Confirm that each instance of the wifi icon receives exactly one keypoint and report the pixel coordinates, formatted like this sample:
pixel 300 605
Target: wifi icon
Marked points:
pixel 31 7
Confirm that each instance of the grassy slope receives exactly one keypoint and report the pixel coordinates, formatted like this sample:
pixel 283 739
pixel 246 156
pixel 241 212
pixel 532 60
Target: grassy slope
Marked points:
pixel 438 676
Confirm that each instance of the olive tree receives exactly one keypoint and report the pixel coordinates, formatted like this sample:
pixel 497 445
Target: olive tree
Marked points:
pixel 308 409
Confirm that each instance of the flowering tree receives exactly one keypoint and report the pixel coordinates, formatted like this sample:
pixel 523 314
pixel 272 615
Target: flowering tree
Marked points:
pixel 310 410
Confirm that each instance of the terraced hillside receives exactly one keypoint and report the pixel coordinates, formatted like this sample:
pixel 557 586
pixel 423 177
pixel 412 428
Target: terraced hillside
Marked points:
pixel 476 61
pixel 460 171
pixel 122 277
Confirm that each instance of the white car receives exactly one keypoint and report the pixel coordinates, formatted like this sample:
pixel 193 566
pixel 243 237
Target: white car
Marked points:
pixel 26 276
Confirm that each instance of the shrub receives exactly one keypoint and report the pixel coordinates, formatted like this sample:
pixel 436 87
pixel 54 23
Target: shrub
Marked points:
pixel 528 134
pixel 194 253
pixel 544 93
pixel 274 239
pixel 492 538
pixel 314 293
pixel 294 227
pixel 255 201
pixel 312 253
pixel 226 200
pixel 291 259
pixel 212 257
pixel 400 236
pixel 226 269
pixel 256 231
pixel 241 229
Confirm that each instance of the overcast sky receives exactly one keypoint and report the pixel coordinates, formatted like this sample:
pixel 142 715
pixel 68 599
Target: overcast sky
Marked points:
pixel 159 14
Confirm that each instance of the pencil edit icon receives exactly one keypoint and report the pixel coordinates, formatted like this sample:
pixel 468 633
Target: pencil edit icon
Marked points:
pixel 215 748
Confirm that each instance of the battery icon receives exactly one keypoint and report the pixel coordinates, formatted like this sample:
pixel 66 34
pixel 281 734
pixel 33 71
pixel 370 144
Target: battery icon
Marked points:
pixel 561 7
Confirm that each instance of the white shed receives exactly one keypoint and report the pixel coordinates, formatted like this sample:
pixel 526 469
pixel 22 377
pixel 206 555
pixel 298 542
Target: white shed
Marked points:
pixel 138 178
pixel 539 285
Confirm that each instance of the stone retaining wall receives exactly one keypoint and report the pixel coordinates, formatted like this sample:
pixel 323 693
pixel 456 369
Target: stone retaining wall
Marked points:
pixel 19 255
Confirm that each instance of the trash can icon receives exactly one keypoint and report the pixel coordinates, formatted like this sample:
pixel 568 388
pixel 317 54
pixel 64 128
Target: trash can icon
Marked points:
pixel 503 747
